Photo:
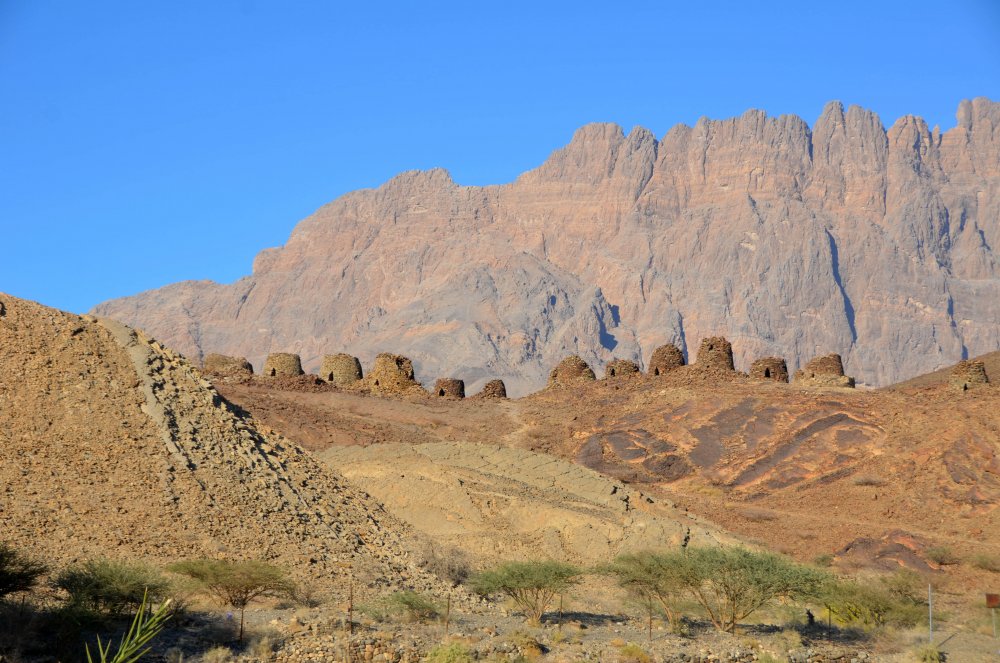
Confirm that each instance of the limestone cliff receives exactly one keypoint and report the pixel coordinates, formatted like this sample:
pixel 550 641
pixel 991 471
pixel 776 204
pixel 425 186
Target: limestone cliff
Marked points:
pixel 875 244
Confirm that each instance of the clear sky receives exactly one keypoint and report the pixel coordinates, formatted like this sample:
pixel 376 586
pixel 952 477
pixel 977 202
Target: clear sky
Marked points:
pixel 143 143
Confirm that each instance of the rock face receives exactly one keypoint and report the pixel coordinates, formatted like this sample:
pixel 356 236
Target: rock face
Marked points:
pixel 571 369
pixel 789 240
pixel 341 369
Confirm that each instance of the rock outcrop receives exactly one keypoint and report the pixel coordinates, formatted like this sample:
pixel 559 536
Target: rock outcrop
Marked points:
pixel 875 243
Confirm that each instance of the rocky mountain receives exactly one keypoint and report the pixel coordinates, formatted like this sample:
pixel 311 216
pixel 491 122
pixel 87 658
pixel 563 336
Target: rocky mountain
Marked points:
pixel 789 240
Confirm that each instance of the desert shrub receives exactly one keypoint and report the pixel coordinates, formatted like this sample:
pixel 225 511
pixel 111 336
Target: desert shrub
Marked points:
pixel 868 480
pixel 653 580
pixel 531 585
pixel 217 655
pixel 263 646
pixel 111 587
pixel 447 563
pixel 633 653
pixel 757 515
pixel 18 572
pixel 236 584
pixel 404 605
pixel 451 653
pixel 871 606
pixel 824 561
pixel 906 585
pixel 986 563
pixel 941 555
pixel 929 654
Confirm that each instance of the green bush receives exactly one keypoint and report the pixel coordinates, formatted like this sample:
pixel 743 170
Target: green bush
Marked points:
pixel 531 585
pixel 871 606
pixel 450 653
pixel 405 605
pixel 111 587
pixel 929 654
pixel 18 572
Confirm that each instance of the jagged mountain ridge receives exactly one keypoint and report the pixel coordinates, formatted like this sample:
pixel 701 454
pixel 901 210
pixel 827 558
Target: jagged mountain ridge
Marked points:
pixel 846 237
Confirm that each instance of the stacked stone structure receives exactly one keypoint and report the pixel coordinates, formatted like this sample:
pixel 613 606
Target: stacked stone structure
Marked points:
pixel 282 364
pixel 450 388
pixel 716 352
pixel 391 374
pixel 227 366
pixel 665 359
pixel 824 371
pixel 341 368
pixel 968 374
pixel 569 370
pixel 769 368
pixel 493 389
pixel 617 368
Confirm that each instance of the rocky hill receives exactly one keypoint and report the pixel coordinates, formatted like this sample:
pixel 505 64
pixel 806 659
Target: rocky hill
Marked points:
pixel 113 446
pixel 790 240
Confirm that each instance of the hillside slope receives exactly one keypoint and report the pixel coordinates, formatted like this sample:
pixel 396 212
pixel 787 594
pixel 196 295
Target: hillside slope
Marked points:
pixel 790 240
pixel 112 446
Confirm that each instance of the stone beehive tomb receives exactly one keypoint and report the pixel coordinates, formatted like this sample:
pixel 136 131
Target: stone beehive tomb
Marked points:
pixel 716 352
pixel 391 374
pixel 769 368
pixel 227 366
pixel 450 388
pixel 824 371
pixel 617 368
pixel 571 369
pixel 493 389
pixel 967 374
pixel 665 359
pixel 341 369
pixel 282 364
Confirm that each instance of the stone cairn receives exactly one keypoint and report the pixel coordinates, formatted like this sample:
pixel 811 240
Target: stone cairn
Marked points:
pixel 967 374
pixel 391 374
pixel 571 369
pixel 617 368
pixel 493 389
pixel 282 364
pixel 665 359
pixel 825 371
pixel 450 388
pixel 716 352
pixel 341 369
pixel 769 368
pixel 227 366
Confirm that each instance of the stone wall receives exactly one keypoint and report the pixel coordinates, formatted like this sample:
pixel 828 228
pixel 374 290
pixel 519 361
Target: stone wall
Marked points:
pixel 493 389
pixel 282 364
pixel 450 388
pixel 665 359
pixel 824 371
pixel 227 366
pixel 341 369
pixel 617 368
pixel 716 352
pixel 967 374
pixel 391 374
pixel 571 369
pixel 769 368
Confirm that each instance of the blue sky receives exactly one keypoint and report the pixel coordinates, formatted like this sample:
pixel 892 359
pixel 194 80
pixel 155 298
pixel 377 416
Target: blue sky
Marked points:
pixel 143 143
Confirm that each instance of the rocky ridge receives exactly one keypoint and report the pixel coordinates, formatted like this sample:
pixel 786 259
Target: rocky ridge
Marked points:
pixel 790 241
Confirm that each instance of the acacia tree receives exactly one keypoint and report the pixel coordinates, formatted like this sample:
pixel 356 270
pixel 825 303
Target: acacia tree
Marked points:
pixel 18 572
pixel 731 583
pixel 236 584
pixel 654 578
pixel 531 585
